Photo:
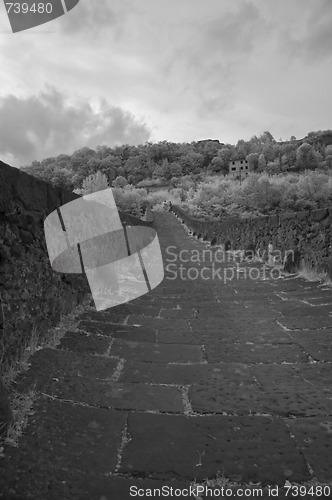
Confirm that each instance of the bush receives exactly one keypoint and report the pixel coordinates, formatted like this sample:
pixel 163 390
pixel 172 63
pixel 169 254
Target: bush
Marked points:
pixel 260 194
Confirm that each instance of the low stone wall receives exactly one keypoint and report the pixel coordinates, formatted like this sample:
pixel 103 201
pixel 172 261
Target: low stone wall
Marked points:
pixel 309 232
pixel 33 296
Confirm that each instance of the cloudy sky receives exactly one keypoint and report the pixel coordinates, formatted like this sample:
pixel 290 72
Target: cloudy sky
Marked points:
pixel 131 71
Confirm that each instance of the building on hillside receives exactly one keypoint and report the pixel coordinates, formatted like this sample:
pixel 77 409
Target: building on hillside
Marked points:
pixel 239 167
pixel 205 141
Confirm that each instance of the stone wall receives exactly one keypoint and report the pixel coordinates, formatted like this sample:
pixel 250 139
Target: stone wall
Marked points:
pixel 33 296
pixel 308 231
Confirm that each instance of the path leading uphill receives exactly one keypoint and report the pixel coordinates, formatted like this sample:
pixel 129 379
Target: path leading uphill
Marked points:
pixel 213 378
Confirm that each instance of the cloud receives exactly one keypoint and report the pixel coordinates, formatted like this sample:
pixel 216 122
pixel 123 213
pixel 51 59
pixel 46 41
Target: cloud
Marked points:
pixel 235 32
pixel 212 53
pixel 306 34
pixel 45 125
pixel 318 43
pixel 89 16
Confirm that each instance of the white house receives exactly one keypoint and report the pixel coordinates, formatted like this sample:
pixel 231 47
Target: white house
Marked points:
pixel 239 167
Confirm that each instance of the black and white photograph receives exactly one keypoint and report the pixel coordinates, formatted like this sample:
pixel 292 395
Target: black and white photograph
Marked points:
pixel 165 249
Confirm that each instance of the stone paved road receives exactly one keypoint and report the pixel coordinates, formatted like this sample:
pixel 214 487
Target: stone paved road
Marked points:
pixel 219 381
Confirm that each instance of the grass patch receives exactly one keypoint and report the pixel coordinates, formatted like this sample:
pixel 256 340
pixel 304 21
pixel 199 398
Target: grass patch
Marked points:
pixel 312 275
pixel 21 404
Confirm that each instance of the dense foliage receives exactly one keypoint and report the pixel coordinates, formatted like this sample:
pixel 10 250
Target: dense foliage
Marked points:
pixel 289 175
pixel 260 194
pixel 168 160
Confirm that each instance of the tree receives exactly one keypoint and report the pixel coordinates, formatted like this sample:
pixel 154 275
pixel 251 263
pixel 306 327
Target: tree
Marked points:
pixel 175 169
pixel 328 160
pixel 139 167
pixel 328 150
pixel 120 182
pixel 273 167
pixel 93 183
pixel 224 157
pixel 267 137
pixel 305 157
pixel 242 149
pixel 162 171
pixel 209 149
pixel 261 163
pixel 217 164
pixel 252 159
pixel 191 163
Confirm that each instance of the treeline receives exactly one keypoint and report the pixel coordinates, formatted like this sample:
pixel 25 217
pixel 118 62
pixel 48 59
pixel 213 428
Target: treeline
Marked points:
pixel 168 160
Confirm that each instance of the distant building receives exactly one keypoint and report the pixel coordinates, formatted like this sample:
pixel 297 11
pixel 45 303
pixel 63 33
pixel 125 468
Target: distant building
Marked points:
pixel 239 167
pixel 210 140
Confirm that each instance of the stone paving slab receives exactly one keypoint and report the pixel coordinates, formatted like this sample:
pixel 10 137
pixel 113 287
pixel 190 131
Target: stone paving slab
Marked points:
pixel 246 448
pixel 298 401
pixel 141 333
pixel 296 285
pixel 159 324
pixel 242 334
pixel 179 337
pixel 320 351
pixel 63 436
pixel 227 397
pixel 317 375
pixel 245 398
pixel 65 485
pixel 312 296
pixel 249 352
pixel 181 313
pixel 318 301
pixel 151 311
pixel 156 373
pixel 314 438
pixel 158 353
pixel 82 343
pixel 307 322
pixel 123 396
pixel 297 311
pixel 237 325
pixel 48 364
pixel 99 328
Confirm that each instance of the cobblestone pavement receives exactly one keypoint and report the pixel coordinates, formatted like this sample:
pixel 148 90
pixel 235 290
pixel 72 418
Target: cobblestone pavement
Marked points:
pixel 213 381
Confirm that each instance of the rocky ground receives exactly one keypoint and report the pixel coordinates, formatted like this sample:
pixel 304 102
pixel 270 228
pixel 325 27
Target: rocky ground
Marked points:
pixel 222 381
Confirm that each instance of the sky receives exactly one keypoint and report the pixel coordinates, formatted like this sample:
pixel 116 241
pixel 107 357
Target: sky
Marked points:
pixel 130 71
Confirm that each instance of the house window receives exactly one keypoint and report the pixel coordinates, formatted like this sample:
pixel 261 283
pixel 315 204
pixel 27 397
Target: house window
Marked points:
pixel 246 167
pixel 241 168
pixel 241 162
pixel 233 162
pixel 233 168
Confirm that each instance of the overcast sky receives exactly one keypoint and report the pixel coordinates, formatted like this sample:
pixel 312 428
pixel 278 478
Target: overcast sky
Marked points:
pixel 131 71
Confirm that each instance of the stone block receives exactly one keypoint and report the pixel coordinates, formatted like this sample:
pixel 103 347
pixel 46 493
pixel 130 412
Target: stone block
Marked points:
pixel 191 447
